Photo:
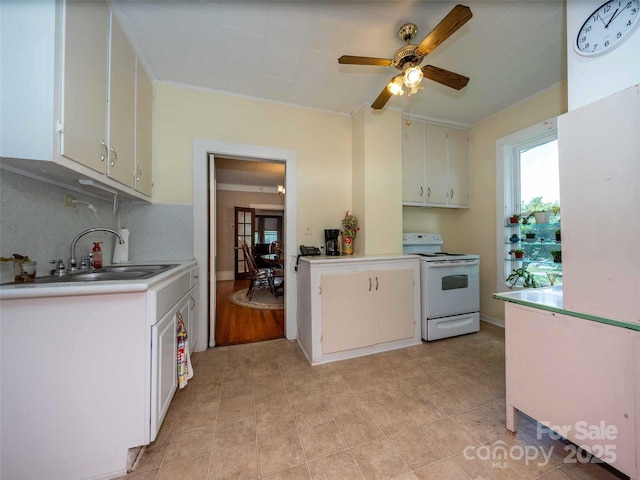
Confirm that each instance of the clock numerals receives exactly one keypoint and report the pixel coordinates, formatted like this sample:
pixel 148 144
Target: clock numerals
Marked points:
pixel 607 26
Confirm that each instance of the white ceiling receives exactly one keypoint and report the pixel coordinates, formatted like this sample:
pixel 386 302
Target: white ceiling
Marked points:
pixel 288 51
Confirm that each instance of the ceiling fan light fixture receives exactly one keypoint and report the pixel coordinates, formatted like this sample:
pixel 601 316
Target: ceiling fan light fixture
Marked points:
pixel 412 77
pixel 395 86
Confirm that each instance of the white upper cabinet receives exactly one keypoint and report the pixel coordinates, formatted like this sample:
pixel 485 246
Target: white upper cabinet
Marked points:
pixel 435 165
pixel 413 163
pixel 84 98
pixel 75 74
pixel 144 103
pixel 122 96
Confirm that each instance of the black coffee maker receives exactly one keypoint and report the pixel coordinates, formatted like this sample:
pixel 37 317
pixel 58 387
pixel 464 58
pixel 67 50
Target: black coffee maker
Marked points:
pixel 332 244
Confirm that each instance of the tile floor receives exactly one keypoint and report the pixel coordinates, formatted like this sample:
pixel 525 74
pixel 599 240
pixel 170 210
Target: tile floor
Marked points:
pixel 434 411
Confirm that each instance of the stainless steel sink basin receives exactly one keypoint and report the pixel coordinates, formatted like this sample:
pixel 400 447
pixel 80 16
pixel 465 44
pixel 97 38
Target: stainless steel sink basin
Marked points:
pixel 109 273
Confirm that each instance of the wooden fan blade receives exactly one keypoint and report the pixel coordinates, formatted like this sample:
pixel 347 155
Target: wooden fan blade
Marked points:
pixel 382 99
pixel 445 77
pixel 449 24
pixel 352 60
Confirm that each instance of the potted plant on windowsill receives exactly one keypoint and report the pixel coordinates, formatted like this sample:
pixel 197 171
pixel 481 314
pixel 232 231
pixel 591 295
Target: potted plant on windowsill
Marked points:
pixel 542 217
pixel 517 253
pixel 557 256
pixel 522 274
pixel 514 219
pixel 529 234
pixel 558 236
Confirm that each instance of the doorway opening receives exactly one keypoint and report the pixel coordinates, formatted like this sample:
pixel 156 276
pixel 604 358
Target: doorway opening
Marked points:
pixel 206 154
pixel 249 212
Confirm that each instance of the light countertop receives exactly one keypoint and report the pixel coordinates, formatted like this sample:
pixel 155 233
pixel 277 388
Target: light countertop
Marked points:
pixel 329 259
pixel 550 299
pixel 62 289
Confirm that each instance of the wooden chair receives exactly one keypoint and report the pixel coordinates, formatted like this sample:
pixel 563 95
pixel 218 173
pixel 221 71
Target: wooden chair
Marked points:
pixel 260 278
pixel 276 247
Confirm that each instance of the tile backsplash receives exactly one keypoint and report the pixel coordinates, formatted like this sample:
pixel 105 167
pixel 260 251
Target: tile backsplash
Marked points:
pixel 34 221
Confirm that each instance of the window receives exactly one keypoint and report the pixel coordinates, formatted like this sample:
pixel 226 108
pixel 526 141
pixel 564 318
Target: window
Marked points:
pixel 528 178
pixel 268 228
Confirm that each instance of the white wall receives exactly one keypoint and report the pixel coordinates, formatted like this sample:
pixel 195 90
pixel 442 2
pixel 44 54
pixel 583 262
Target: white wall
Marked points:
pixel 593 78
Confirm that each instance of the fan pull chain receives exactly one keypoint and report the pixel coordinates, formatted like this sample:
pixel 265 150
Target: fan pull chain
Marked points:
pixel 407 120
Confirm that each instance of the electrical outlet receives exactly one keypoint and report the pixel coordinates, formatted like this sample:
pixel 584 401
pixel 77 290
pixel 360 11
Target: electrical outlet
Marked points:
pixel 68 201
pixel 307 229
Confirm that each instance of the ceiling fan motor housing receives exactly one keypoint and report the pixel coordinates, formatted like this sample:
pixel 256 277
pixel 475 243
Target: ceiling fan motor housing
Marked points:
pixel 406 56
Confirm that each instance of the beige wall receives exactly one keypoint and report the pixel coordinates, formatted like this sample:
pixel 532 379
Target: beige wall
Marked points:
pixel 377 180
pixel 475 229
pixel 328 147
pixel 321 140
pixel 226 201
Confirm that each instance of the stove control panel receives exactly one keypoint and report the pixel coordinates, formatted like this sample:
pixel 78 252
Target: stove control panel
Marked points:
pixel 421 239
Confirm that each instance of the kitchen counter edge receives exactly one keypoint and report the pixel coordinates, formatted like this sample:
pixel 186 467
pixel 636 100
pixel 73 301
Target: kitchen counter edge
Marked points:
pixel 34 290
pixel 355 258
pixel 550 299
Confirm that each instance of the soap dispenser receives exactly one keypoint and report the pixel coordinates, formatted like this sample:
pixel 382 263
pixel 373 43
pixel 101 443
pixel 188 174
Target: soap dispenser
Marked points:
pixel 97 255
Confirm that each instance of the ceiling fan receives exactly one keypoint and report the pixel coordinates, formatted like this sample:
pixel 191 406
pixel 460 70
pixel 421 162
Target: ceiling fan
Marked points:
pixel 408 57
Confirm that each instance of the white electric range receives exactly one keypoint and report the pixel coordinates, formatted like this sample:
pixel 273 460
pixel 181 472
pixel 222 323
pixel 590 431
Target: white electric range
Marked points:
pixel 449 286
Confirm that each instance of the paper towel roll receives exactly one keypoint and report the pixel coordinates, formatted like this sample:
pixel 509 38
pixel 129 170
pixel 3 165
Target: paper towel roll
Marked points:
pixel 121 250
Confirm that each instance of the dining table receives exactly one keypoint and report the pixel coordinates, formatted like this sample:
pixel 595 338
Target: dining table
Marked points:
pixel 273 259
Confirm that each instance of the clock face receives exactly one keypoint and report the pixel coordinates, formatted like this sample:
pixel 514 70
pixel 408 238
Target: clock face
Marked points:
pixel 609 25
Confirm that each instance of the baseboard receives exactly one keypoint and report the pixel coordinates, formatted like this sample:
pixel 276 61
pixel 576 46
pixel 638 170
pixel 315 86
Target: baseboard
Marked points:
pixel 220 276
pixel 494 321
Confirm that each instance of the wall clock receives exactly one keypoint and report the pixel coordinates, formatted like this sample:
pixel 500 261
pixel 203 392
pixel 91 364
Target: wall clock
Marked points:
pixel 607 27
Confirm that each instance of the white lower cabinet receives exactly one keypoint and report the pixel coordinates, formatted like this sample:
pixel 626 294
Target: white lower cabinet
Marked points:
pixel 192 324
pixel 347 311
pixel 580 377
pixel 164 351
pixel 354 307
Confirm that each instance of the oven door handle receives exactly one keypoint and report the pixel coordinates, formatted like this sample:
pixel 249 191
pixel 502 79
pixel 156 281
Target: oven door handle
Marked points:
pixel 453 263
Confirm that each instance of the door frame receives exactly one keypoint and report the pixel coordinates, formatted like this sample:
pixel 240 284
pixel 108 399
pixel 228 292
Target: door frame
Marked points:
pixel 204 226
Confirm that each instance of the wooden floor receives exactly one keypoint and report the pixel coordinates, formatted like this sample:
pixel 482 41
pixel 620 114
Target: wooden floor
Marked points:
pixel 236 324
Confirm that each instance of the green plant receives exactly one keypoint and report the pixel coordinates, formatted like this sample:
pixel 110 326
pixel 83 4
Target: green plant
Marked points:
pixel 555 209
pixel 557 232
pixel 528 281
pixel 519 250
pixel 557 255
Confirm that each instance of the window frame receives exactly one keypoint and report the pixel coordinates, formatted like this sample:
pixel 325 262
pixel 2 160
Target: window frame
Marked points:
pixel 508 184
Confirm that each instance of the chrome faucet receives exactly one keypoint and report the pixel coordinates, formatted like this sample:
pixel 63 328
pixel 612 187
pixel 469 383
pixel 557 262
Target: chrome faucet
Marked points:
pixel 72 261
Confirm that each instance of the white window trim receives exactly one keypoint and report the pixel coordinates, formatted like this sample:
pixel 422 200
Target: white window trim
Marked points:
pixel 505 176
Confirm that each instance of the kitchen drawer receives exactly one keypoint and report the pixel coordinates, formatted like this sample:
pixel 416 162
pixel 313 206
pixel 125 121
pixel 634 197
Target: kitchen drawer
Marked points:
pixel 168 294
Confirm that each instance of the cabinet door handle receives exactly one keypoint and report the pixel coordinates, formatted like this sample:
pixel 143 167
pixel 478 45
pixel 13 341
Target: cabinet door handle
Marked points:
pixel 114 157
pixel 452 193
pixel 193 303
pixel 369 283
pixel 376 284
pixel 105 151
pixel 421 191
pixel 428 192
pixel 138 173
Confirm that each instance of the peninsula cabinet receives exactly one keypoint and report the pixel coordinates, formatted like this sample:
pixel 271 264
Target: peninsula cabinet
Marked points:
pixel 579 377
pixel 435 165
pixel 71 89
pixel 357 306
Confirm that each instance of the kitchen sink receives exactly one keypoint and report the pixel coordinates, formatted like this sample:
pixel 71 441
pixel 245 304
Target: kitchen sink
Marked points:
pixel 109 273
